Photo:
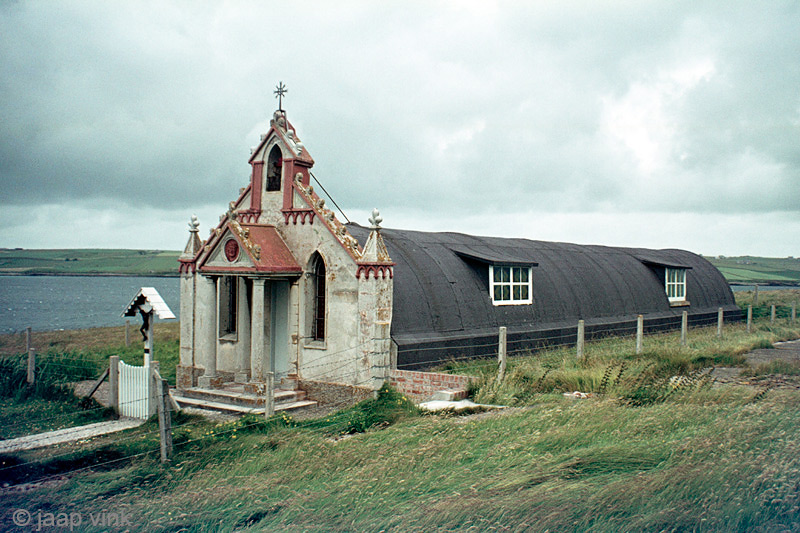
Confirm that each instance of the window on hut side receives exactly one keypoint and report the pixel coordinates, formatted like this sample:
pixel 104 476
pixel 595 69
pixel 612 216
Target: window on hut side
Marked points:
pixel 227 305
pixel 274 164
pixel 510 285
pixel 318 298
pixel 675 284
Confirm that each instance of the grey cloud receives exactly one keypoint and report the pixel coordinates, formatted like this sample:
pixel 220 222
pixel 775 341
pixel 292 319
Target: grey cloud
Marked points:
pixel 159 103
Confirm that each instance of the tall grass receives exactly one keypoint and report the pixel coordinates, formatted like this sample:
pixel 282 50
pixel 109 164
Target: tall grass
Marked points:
pixel 610 366
pixel 708 460
pixel 674 454
pixel 62 359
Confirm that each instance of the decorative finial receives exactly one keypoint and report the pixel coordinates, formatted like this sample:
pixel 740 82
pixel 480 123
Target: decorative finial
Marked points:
pixel 279 91
pixel 376 219
pixel 194 224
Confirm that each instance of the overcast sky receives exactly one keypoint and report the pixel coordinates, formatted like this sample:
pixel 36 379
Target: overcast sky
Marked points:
pixel 631 123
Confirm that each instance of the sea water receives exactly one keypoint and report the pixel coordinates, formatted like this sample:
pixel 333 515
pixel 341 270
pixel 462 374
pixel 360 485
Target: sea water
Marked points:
pixel 46 303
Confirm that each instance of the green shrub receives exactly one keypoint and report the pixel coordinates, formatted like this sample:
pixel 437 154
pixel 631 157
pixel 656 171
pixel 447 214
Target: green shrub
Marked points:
pixel 389 407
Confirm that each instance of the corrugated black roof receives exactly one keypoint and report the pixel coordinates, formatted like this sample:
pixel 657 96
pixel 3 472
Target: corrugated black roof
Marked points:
pixel 441 284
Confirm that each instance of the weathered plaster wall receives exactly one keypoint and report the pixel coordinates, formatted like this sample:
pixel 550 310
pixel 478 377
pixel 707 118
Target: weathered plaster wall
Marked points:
pixel 353 307
pixel 226 355
pixel 187 319
pixel 338 356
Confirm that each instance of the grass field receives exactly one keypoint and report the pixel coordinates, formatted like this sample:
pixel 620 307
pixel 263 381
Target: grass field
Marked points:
pixel 90 261
pixel 748 269
pixel 643 454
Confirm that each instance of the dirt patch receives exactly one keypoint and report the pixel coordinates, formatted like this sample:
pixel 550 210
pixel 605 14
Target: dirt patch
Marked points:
pixel 82 388
pixel 788 352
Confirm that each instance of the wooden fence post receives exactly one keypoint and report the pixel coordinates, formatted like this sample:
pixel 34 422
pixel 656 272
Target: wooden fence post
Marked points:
pixel 113 382
pixel 31 366
pixel 154 398
pixel 164 416
pixel 749 318
pixel 772 314
pixel 684 327
pixel 149 343
pixel 28 340
pixel 269 398
pixel 755 294
pixel 579 343
pixel 127 333
pixel 501 354
pixel 720 318
pixel 794 311
pixel 639 334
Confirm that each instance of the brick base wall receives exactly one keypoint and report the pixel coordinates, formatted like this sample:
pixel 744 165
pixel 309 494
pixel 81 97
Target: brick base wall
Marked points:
pixel 421 386
pixel 186 376
pixel 333 393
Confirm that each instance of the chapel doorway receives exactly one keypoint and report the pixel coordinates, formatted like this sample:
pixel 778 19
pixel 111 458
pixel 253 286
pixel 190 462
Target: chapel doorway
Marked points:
pixel 279 328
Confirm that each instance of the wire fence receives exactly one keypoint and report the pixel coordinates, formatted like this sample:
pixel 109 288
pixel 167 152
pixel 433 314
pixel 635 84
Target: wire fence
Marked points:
pixel 485 346
pixel 150 431
pixel 437 351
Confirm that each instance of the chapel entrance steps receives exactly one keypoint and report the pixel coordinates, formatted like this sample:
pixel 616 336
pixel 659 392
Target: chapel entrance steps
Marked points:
pixel 232 398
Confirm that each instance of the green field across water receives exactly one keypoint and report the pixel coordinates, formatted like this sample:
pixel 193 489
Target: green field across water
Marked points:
pixel 744 269
pixel 89 262
pixel 750 269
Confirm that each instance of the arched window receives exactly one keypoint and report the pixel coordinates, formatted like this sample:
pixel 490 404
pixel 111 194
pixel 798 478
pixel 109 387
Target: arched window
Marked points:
pixel 317 295
pixel 274 163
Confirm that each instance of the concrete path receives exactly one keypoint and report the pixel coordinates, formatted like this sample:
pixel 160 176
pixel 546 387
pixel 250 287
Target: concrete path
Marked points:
pixel 62 436
pixel 788 351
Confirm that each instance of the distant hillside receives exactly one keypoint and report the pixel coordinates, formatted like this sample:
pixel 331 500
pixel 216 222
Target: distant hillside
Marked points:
pixel 745 269
pixel 89 262
pixel 749 269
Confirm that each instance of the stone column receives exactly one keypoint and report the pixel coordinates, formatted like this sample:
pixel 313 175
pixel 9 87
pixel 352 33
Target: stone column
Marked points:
pixel 381 361
pixel 187 319
pixel 206 332
pixel 257 332
pixel 295 333
pixel 242 334
pixel 374 332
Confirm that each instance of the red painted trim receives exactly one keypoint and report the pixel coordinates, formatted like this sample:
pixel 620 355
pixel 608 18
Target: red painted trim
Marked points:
pixel 294 214
pixel 187 266
pixel 246 270
pixel 256 184
pixel 288 178
pixel 375 268
pixel 249 217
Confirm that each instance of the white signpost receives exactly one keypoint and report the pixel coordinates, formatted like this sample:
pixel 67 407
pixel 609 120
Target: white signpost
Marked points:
pixel 135 391
pixel 147 303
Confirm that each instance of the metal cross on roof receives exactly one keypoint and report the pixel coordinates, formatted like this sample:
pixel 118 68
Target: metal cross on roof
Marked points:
pixel 279 91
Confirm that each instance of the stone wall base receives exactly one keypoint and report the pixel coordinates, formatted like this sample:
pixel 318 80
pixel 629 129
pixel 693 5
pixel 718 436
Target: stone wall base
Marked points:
pixel 333 393
pixel 186 376
pixel 255 387
pixel 421 386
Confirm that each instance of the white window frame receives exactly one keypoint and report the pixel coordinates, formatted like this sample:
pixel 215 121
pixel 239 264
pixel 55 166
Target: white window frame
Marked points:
pixel 675 284
pixel 510 284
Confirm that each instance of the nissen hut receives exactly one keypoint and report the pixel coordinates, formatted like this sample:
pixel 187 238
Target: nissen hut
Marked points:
pixel 281 285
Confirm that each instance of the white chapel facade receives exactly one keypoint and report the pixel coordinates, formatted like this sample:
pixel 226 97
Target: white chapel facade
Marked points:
pixel 281 286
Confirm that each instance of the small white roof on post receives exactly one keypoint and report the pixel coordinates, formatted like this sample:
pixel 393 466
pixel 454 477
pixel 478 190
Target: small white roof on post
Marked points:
pixel 148 297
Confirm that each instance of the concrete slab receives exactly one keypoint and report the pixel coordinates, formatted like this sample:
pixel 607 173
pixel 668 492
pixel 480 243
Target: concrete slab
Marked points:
pixel 441 405
pixel 72 434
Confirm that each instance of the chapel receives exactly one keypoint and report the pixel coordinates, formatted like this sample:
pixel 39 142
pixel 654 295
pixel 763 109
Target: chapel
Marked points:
pixel 282 288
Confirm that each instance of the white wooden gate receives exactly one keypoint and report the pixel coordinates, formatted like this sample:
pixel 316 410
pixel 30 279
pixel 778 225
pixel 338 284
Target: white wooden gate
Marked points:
pixel 134 390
